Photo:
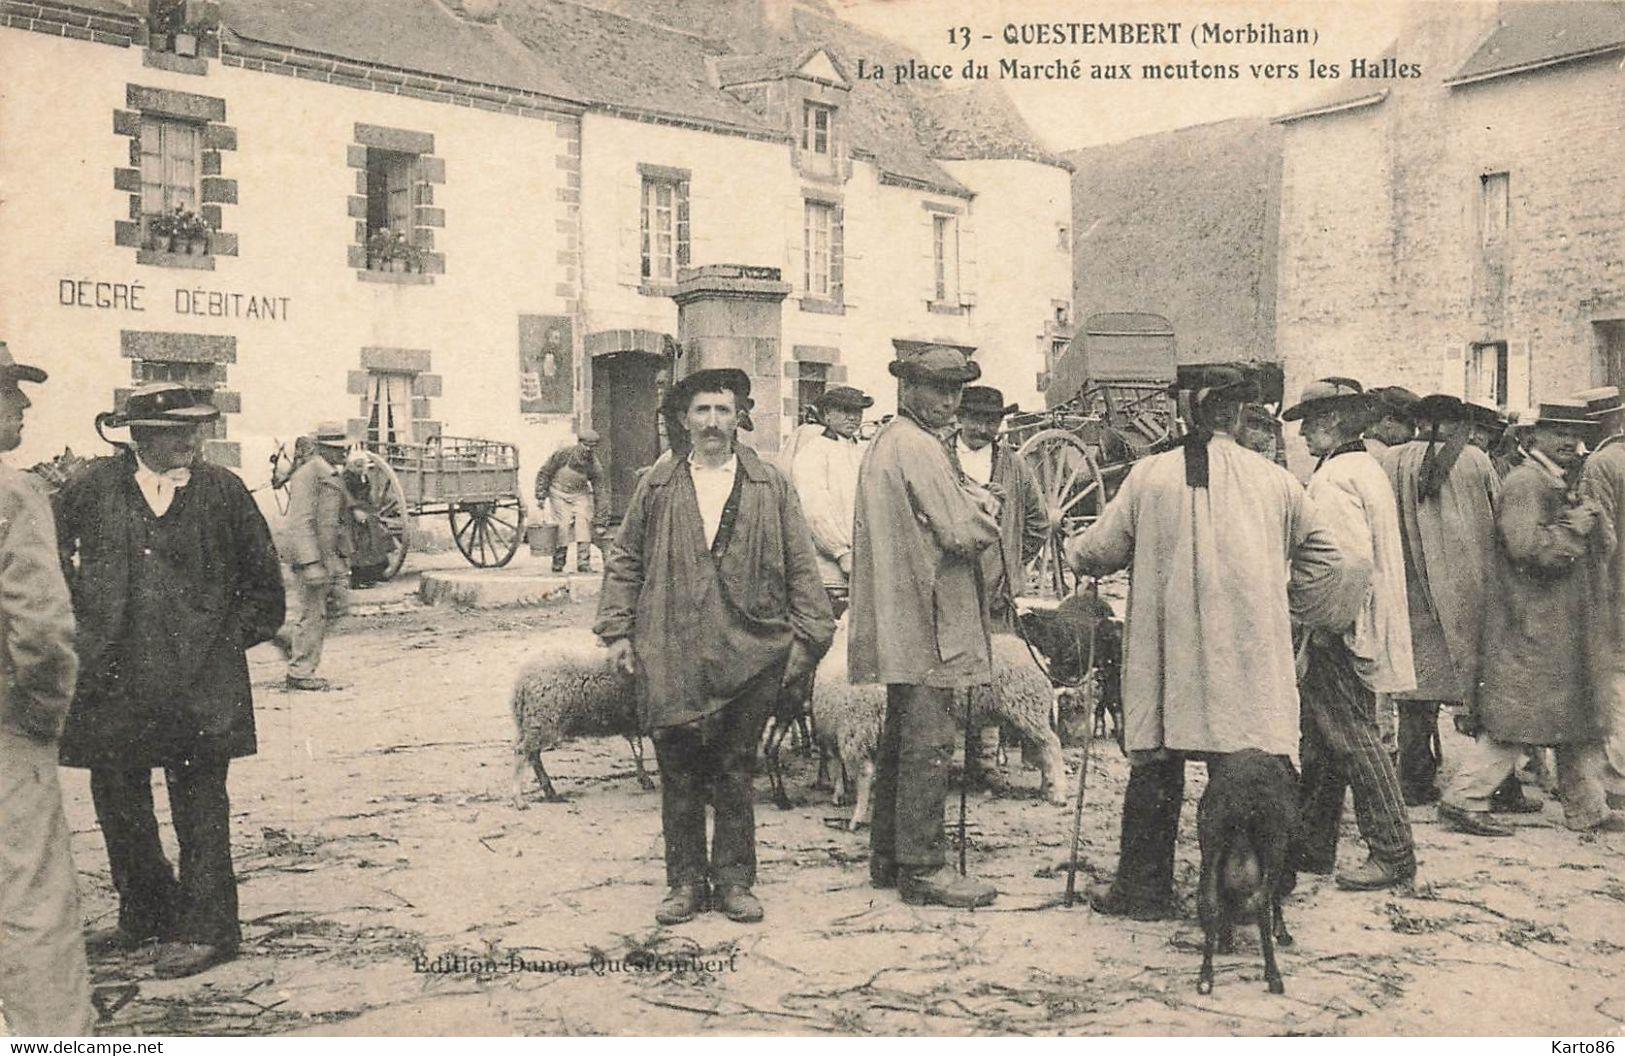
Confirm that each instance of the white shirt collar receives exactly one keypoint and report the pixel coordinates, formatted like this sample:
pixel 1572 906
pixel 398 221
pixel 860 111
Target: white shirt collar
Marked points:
pixel 727 467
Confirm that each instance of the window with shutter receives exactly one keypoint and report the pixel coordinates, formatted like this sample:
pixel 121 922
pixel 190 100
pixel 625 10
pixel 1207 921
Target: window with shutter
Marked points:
pixel 817 243
pixel 389 408
pixel 945 257
pixel 169 164
pixel 664 239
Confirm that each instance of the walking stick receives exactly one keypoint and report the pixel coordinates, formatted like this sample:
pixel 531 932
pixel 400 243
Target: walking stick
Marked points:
pixel 1083 776
pixel 964 782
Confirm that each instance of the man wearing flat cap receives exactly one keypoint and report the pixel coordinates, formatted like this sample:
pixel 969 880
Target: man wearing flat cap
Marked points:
pixel 570 491
pixel 319 543
pixel 1446 490
pixel 918 623
pixel 824 470
pixel 712 599
pixel 1225 552
pixel 1604 480
pixel 1347 668
pixel 174 578
pixel 44 983
pixel 1542 653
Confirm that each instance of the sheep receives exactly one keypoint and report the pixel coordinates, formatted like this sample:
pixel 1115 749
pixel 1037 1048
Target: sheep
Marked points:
pixel 850 717
pixel 1062 635
pixel 1246 822
pixel 569 689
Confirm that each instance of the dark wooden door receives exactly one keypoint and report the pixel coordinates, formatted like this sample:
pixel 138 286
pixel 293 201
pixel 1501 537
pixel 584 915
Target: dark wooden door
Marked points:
pixel 624 405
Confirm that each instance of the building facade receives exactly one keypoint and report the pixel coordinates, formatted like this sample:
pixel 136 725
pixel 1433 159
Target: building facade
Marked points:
pixel 1462 231
pixel 503 220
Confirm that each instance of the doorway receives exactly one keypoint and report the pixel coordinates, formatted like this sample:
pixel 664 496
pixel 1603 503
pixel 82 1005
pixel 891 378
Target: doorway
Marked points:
pixel 626 391
pixel 1611 348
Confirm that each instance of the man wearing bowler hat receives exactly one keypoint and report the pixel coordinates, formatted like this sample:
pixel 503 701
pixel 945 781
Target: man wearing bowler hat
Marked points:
pixel 824 470
pixel 1604 480
pixel 176 577
pixel 992 463
pixel 44 984
pixel 1541 652
pixel 1346 669
pixel 919 622
pixel 319 545
pixel 712 599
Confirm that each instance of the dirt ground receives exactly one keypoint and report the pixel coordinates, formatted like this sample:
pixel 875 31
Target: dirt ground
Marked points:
pixel 388 886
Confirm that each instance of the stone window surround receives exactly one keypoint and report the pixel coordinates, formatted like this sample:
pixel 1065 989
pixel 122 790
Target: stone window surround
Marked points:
pixel 429 170
pixel 827 355
pixel 425 386
pixel 957 306
pixel 684 232
pixel 835 303
pixel 214 190
pixel 207 357
pixel 836 165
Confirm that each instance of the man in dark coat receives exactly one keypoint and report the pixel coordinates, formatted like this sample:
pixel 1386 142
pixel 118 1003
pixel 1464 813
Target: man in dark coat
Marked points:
pixel 919 624
pixel 712 599
pixel 174 577
pixel 1543 649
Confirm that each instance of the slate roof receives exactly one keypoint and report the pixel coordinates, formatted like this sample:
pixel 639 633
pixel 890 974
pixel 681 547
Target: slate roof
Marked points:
pixel 657 60
pixel 419 35
pixel 1541 32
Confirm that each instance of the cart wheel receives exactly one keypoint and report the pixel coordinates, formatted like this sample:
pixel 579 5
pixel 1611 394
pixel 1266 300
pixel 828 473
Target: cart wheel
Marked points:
pixel 488 533
pixel 1073 494
pixel 389 498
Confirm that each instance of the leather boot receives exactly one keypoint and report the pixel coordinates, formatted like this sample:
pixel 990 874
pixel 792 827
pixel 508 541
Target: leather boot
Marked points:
pixel 945 887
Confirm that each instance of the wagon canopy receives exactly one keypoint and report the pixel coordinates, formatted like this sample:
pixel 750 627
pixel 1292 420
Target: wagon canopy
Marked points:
pixel 1128 346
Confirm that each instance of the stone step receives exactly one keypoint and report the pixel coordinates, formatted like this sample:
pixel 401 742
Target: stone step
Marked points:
pixel 496 588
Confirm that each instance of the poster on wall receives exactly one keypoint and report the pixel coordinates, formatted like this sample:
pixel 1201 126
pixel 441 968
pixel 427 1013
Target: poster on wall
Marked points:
pixel 546 366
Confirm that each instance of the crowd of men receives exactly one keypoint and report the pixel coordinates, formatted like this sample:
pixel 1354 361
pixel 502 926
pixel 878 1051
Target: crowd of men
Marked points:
pixel 1429 562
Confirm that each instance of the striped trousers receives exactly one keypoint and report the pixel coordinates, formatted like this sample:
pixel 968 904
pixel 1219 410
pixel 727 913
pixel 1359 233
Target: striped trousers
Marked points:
pixel 1341 749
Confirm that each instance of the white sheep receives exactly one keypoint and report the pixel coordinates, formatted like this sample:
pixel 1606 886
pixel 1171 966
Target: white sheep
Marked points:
pixel 569 689
pixel 849 717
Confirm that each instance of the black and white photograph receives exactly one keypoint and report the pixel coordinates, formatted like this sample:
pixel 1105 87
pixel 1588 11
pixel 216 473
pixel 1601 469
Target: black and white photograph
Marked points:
pixel 813 519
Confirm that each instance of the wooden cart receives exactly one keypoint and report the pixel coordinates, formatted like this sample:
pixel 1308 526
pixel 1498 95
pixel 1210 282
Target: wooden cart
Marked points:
pixel 474 483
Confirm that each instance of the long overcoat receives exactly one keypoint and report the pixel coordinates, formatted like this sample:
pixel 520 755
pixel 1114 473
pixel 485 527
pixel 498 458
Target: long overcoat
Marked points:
pixel 703 627
pixel 918 614
pixel 205 582
pixel 1541 660
pixel 1218 574
pixel 1022 521
pixel 1449 559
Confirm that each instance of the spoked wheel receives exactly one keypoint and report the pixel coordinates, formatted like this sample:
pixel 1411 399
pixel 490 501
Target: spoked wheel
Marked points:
pixel 389 499
pixel 1073 495
pixel 488 533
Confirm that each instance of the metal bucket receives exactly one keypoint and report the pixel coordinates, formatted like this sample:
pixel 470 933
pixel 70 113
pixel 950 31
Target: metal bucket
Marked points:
pixel 543 538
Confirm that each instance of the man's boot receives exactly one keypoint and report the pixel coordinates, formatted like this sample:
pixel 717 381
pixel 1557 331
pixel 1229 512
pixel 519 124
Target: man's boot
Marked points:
pixel 559 554
pixel 945 887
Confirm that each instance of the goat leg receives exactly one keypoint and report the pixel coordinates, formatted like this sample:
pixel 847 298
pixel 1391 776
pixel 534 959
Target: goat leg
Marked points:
pixel 1272 974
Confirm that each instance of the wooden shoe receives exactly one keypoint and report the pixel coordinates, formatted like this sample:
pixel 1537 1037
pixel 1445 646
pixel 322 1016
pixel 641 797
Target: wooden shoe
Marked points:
pixel 176 960
pixel 736 903
pixel 944 887
pixel 1104 899
pixel 1373 875
pixel 115 940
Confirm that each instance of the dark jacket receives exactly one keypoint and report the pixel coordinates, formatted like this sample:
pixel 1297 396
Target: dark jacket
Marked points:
pixel 704 626
pixel 1023 524
pixel 166 608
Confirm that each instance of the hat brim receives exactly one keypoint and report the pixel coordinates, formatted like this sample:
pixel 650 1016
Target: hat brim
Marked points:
pixel 908 370
pixel 1349 401
pixel 845 405
pixel 22 372
pixel 333 441
pixel 992 412
pixel 180 417
pixel 1579 423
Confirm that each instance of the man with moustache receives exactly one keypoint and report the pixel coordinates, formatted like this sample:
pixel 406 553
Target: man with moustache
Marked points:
pixel 918 621
pixel 1540 657
pixel 713 600
pixel 175 579
pixel 44 984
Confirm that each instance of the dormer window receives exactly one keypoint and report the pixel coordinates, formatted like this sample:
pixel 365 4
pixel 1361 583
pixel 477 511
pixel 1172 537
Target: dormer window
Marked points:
pixel 817 123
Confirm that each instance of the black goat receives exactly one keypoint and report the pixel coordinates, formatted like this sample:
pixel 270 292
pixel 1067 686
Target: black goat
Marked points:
pixel 1246 821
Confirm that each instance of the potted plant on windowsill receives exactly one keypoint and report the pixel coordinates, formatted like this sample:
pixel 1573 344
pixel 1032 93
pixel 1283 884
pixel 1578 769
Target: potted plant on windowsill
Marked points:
pixel 389 250
pixel 161 232
pixel 193 232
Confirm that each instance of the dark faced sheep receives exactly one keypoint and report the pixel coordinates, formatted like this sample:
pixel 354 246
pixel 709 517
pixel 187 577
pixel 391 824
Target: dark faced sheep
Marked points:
pixel 568 690
pixel 1245 821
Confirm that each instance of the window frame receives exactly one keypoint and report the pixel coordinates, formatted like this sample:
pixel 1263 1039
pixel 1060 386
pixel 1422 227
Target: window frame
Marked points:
pixel 651 232
pixel 168 183
pixel 380 398
pixel 812 381
pixel 1498 372
pixel 824 255
pixel 945 265
pixel 812 114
